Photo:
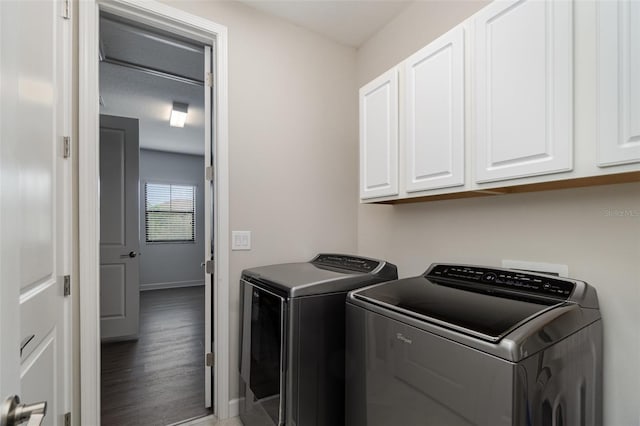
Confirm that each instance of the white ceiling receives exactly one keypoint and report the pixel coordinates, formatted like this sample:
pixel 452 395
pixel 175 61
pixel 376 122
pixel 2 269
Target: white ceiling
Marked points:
pixel 350 22
pixel 131 93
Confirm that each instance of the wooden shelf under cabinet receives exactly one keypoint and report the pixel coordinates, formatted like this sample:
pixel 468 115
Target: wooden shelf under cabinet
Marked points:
pixel 532 187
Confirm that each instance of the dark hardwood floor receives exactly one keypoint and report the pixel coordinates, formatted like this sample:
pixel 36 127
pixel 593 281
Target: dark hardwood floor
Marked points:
pixel 158 379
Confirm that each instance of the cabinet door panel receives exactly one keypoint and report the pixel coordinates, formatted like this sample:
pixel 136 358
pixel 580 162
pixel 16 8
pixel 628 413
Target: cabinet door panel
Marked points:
pixel 379 136
pixel 434 93
pixel 523 89
pixel 618 82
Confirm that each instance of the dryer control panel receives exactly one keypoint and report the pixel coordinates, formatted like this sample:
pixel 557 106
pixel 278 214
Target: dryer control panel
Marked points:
pixel 508 279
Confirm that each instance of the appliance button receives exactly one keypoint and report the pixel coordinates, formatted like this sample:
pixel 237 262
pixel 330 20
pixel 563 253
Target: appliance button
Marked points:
pixel 489 277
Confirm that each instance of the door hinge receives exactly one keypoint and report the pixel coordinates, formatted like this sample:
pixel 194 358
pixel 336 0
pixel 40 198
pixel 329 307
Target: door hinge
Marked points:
pixel 209 267
pixel 66 147
pixel 67 419
pixel 66 11
pixel 67 285
pixel 209 79
pixel 208 173
pixel 209 359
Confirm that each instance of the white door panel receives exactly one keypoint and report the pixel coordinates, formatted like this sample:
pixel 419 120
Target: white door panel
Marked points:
pixel 119 227
pixel 113 291
pixel 379 136
pixel 434 88
pixel 35 315
pixel 39 364
pixel 618 82
pixel 35 184
pixel 112 188
pixel 523 89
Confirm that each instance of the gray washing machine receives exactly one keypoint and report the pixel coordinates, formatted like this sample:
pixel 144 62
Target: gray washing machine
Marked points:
pixel 293 337
pixel 471 345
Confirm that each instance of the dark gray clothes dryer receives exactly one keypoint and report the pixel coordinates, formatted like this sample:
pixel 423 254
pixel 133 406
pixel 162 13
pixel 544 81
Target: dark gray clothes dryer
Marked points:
pixel 470 345
pixel 293 337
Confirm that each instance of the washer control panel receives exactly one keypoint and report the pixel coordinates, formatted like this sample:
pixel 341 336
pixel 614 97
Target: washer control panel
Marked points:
pixel 352 263
pixel 503 278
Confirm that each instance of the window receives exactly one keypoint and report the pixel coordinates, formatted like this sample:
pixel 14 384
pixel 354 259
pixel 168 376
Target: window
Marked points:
pixel 170 213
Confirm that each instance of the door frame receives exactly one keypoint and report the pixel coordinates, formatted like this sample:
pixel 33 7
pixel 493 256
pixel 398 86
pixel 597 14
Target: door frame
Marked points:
pixel 194 27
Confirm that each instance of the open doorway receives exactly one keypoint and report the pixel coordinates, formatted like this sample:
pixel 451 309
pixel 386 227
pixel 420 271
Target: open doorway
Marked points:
pixel 155 328
pixel 209 33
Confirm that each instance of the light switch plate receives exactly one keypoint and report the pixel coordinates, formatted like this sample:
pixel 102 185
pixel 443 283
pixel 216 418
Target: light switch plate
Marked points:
pixel 541 267
pixel 240 240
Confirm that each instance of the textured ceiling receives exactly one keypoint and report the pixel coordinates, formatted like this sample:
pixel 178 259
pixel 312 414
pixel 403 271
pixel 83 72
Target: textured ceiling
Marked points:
pixel 132 93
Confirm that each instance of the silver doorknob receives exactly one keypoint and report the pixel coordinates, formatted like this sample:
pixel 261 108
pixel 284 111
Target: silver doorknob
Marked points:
pixel 13 413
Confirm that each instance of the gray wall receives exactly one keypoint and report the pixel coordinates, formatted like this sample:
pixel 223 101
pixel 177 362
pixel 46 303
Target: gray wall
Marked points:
pixel 293 143
pixel 164 265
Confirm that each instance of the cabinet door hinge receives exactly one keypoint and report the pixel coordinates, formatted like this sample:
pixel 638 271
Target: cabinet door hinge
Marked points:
pixel 66 147
pixel 66 11
pixel 67 419
pixel 67 285
pixel 209 79
pixel 209 359
pixel 208 173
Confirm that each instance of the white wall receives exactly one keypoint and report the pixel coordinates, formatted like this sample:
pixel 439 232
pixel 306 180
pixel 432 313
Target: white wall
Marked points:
pixel 166 265
pixel 578 227
pixel 292 139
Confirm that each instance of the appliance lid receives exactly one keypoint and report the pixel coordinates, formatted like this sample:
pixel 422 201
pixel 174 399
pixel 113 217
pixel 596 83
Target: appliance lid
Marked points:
pixel 326 273
pixel 482 313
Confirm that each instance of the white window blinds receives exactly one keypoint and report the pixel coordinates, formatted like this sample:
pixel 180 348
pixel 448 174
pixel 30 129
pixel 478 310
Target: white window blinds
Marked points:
pixel 170 212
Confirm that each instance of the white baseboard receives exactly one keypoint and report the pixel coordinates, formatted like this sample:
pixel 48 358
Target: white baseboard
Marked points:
pixel 234 407
pixel 170 284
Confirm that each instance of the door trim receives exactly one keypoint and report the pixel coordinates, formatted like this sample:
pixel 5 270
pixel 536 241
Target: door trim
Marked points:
pixel 166 17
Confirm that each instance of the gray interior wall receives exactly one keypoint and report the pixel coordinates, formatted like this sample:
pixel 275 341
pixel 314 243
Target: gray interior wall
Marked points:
pixel 172 264
pixel 293 144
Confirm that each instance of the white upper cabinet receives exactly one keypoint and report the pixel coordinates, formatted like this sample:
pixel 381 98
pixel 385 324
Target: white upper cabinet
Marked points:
pixel 523 89
pixel 618 47
pixel 379 136
pixel 434 108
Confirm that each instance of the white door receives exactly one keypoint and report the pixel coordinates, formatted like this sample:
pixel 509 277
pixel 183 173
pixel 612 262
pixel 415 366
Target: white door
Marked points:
pixel 523 89
pixel 34 205
pixel 434 96
pixel 379 136
pixel 618 82
pixel 119 228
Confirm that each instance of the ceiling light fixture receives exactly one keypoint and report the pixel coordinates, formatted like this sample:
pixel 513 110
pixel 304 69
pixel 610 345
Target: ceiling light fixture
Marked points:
pixel 178 114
